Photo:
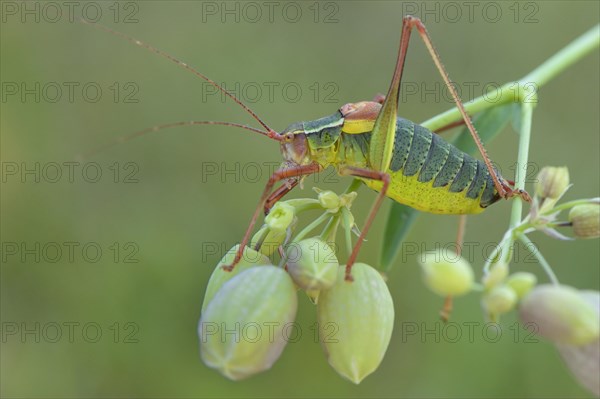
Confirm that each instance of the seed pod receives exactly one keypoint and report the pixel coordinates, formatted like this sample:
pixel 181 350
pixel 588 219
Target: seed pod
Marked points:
pixel 499 300
pixel 246 326
pixel 521 283
pixel 552 182
pixel 355 322
pixel 271 242
pixel 586 220
pixel 560 314
pixel 280 217
pixel 312 264
pixel 584 360
pixel 446 276
pixel 250 258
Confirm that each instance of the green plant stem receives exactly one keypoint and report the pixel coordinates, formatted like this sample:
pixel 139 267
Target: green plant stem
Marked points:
pixel 543 262
pixel 313 225
pixel 502 249
pixel 519 91
pixel 329 231
pixel 347 230
pixel 506 245
pixel 571 204
pixel 566 57
pixel 522 160
pixel 305 205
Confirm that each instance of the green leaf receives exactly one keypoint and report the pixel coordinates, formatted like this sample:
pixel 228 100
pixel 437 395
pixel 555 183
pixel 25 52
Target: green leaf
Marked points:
pixel 400 220
pixel 489 124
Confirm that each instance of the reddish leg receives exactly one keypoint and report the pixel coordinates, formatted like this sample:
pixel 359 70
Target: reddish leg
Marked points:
pixel 460 239
pixel 373 175
pixel 297 171
pixel 410 22
pixel 279 194
pixel 446 310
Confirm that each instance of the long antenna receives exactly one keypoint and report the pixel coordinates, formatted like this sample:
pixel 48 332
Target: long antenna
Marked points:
pixel 271 133
pixel 156 128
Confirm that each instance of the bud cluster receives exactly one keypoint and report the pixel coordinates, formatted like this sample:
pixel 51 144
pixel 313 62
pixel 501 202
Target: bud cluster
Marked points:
pixel 584 216
pixel 502 291
pixel 359 304
pixel 258 293
pixel 450 276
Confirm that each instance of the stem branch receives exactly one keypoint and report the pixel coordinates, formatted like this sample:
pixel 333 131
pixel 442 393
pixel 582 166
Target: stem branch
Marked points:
pixel 543 262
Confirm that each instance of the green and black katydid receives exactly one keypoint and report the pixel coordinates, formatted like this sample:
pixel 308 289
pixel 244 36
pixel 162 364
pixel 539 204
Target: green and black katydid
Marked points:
pixel 367 140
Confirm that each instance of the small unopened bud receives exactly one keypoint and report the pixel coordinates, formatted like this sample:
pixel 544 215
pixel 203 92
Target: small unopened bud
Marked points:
pixel 552 182
pixel 312 264
pixel 560 314
pixel 271 242
pixel 496 275
pixel 586 220
pixel 501 299
pixel 347 199
pixel 521 283
pixel 356 319
pixel 446 276
pixel 280 217
pixel 250 258
pixel 329 200
pixel 245 327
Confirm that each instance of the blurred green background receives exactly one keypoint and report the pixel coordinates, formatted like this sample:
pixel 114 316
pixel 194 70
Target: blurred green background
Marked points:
pixel 159 201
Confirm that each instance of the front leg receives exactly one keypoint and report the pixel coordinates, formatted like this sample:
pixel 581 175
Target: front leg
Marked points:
pixel 296 171
pixel 279 194
pixel 372 175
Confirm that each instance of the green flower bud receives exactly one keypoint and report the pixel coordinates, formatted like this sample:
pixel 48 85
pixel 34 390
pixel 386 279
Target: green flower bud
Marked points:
pixel 496 275
pixel 243 330
pixel 552 182
pixel 560 314
pixel 584 360
pixel 586 220
pixel 499 300
pixel 521 283
pixel 312 264
pixel 271 242
pixel 280 217
pixel 329 200
pixel 250 258
pixel 446 276
pixel 347 199
pixel 355 322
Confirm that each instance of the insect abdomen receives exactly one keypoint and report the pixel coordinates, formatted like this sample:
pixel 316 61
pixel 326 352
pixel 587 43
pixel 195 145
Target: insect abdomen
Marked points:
pixel 430 174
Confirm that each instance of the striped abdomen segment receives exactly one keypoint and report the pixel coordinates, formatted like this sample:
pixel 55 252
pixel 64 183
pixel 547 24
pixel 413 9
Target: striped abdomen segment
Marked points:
pixel 431 174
